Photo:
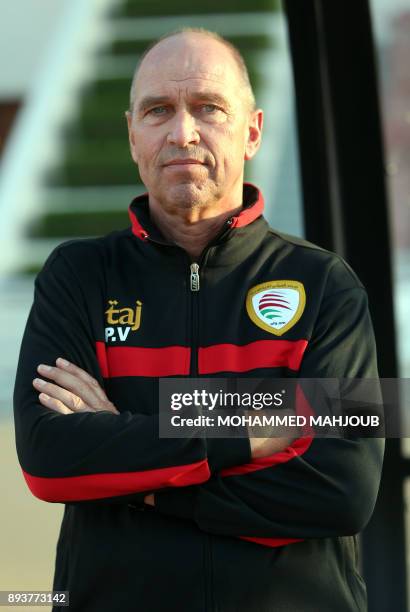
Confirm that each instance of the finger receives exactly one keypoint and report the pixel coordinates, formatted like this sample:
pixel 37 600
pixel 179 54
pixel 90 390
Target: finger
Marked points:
pixel 149 499
pixel 54 404
pixel 70 400
pixel 76 385
pixel 83 375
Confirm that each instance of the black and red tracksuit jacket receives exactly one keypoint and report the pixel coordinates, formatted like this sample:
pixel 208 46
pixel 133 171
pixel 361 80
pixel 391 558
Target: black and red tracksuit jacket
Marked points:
pixel 228 533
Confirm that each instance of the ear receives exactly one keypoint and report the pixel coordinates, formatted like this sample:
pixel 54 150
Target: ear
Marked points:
pixel 131 136
pixel 254 133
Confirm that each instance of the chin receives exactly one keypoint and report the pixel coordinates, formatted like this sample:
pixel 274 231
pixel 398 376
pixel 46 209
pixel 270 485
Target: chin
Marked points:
pixel 188 195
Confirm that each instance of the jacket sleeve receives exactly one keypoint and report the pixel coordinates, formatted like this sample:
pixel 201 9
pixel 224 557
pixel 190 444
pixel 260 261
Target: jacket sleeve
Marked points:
pixel 320 487
pixel 93 456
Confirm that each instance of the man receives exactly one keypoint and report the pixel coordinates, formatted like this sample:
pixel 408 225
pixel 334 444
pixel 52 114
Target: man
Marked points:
pixel 194 524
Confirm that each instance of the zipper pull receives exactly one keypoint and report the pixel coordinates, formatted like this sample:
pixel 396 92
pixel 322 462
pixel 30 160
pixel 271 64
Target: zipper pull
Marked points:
pixel 194 277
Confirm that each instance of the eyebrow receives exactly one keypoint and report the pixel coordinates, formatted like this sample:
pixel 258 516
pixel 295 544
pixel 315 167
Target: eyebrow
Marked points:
pixel 152 101
pixel 208 96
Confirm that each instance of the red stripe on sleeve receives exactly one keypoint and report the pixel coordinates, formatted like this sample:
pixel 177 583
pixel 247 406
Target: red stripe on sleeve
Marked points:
pixel 272 542
pixel 297 448
pixel 259 354
pixel 139 361
pixel 98 486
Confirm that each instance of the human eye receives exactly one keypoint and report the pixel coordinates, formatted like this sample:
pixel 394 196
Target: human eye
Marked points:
pixel 210 112
pixel 157 111
pixel 209 109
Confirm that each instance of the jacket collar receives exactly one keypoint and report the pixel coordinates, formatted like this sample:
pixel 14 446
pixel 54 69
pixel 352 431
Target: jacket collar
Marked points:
pixel 143 227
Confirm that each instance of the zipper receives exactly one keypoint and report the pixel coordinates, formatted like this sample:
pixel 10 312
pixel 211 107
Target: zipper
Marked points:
pixel 194 287
pixel 194 277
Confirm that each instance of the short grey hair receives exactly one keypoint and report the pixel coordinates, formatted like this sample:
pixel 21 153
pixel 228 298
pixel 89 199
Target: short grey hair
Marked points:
pixel 236 54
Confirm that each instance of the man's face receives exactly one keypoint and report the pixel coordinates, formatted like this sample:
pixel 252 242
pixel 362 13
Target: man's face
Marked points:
pixel 191 128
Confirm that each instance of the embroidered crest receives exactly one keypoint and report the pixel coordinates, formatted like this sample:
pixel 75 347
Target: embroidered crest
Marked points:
pixel 276 306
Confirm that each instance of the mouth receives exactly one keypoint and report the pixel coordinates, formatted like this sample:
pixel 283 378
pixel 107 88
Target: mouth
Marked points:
pixel 184 162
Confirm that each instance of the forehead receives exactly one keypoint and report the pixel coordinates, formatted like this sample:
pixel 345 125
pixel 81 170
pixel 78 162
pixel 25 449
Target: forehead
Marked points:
pixel 187 60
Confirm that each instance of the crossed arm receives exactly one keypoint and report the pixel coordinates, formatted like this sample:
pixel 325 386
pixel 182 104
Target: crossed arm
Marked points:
pixel 74 445
pixel 70 389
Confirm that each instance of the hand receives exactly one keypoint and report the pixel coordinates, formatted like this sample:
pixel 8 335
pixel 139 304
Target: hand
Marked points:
pixel 263 447
pixel 73 390
pixel 149 500
pixel 266 446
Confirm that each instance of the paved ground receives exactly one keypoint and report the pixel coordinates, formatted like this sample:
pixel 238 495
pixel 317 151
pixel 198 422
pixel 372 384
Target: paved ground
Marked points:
pixel 29 528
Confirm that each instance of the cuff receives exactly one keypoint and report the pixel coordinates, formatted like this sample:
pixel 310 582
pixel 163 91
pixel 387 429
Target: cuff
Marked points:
pixel 228 452
pixel 176 502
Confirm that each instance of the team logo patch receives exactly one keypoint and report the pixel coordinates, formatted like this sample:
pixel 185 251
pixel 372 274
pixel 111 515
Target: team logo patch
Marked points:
pixel 276 306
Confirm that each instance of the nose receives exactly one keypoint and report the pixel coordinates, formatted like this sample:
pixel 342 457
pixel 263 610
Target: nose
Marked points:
pixel 184 130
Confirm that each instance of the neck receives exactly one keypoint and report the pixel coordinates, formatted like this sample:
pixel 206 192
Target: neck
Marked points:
pixel 193 228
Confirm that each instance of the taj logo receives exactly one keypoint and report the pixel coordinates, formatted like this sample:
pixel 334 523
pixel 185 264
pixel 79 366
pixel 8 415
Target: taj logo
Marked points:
pixel 124 320
pixel 276 306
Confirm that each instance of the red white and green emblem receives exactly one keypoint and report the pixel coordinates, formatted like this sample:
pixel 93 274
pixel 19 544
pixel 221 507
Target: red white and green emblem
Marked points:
pixel 276 306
